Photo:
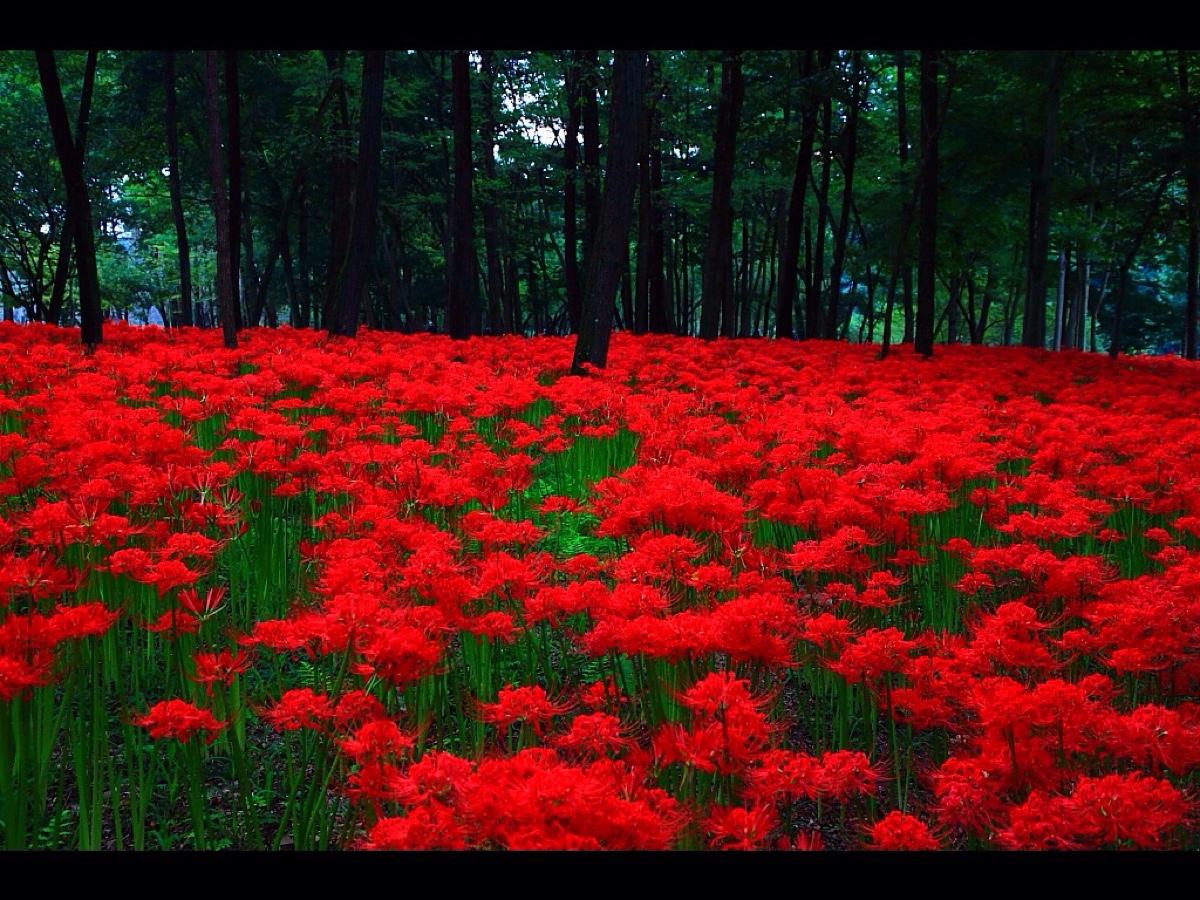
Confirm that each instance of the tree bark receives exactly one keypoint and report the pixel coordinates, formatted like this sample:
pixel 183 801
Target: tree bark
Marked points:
pixel 927 223
pixel 491 215
pixel 1191 168
pixel 612 238
pixel 717 311
pixel 184 311
pixel 220 201
pixel 1033 329
pixel 570 204
pixel 789 260
pixel 462 265
pixel 79 210
pixel 233 113
pixel 340 186
pixel 353 278
pixel 849 142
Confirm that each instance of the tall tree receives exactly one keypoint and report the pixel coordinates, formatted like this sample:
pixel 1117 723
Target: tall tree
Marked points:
pixel 609 256
pixel 184 313
pixel 462 263
pixel 570 193
pixel 717 304
pixel 849 152
pixel 1190 112
pixel 212 103
pixel 789 259
pixel 1033 331
pixel 927 222
pixel 351 278
pixel 79 209
pixel 233 113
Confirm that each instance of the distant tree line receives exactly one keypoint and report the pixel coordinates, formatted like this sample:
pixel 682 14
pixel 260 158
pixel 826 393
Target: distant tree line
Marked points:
pixel 1043 197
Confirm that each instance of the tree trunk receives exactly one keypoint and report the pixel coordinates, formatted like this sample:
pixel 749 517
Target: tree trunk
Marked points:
pixel 1191 169
pixel 1033 331
pixel 79 211
pixel 491 216
pixel 58 292
pixel 233 112
pixel 589 79
pixel 849 142
pixel 462 265
pixel 353 278
pixel 570 204
pixel 220 201
pixel 184 312
pixel 340 172
pixel 789 260
pixel 927 224
pixel 717 310
pixel 612 238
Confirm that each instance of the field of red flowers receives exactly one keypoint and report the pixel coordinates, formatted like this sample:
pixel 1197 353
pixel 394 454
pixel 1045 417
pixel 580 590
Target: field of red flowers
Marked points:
pixel 405 592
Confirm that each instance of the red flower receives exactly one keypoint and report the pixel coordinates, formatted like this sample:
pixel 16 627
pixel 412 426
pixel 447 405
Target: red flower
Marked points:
pixel 900 831
pixel 179 719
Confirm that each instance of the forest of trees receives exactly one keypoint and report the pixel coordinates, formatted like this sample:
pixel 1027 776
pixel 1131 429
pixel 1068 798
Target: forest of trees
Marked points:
pixel 1049 198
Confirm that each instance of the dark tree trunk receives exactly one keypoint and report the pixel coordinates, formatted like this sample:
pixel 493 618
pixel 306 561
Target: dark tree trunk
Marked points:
pixel 849 142
pixel 814 309
pixel 341 173
pixel 462 264
pixel 589 78
pixel 184 312
pixel 491 215
pixel 717 310
pixel 571 167
pixel 906 280
pixel 641 301
pixel 220 200
pixel 789 260
pixel 353 277
pixel 1033 331
pixel 612 239
pixel 58 292
pixel 1191 168
pixel 927 224
pixel 233 112
pixel 79 210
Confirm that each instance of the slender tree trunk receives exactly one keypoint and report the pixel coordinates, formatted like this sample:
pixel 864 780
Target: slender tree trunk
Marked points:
pixel 717 310
pixel 785 301
pixel 612 238
pixel 927 225
pixel 590 86
pixel 462 267
pixel 1033 332
pixel 341 172
pixel 233 112
pixel 353 278
pixel 184 312
pixel 1191 168
pixel 491 216
pixel 79 210
pixel 570 204
pixel 58 291
pixel 849 143
pixel 220 200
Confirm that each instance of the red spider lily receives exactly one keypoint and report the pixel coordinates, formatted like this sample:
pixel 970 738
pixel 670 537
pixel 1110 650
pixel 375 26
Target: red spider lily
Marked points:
pixel 219 668
pixel 521 704
pixel 900 831
pixel 180 720
pixel 299 708
pixel 594 736
pixel 741 828
pixel 214 599
pixel 377 740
